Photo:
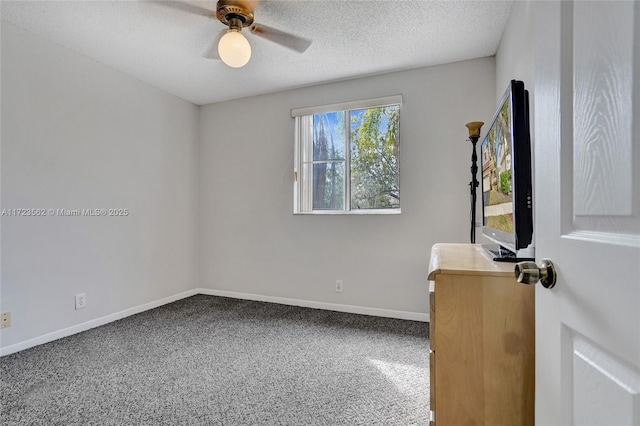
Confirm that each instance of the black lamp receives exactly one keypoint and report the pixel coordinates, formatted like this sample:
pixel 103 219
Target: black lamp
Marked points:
pixel 474 134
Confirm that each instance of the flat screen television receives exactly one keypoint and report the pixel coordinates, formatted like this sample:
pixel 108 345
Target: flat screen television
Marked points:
pixel 507 196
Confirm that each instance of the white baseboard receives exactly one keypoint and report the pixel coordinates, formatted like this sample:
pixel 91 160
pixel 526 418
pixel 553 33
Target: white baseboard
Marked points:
pixel 49 337
pixel 363 310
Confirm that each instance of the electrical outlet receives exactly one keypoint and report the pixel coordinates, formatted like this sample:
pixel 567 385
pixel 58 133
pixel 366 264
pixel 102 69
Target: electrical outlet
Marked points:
pixel 339 285
pixel 5 320
pixel 81 301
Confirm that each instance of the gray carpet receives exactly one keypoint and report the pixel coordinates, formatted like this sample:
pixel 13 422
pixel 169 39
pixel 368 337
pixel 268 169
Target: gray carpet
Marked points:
pixel 209 360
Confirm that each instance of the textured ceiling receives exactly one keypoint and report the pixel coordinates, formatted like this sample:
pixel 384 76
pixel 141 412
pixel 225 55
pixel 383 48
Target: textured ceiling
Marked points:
pixel 164 46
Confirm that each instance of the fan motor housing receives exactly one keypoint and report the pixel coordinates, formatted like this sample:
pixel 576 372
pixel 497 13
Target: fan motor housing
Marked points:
pixel 228 10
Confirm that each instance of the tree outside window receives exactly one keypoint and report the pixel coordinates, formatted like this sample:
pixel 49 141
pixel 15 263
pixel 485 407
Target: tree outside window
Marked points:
pixel 350 160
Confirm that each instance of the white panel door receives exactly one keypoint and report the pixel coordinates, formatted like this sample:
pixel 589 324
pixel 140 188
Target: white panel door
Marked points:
pixel 587 206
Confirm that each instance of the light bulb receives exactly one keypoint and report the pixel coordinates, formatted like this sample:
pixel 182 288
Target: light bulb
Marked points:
pixel 234 49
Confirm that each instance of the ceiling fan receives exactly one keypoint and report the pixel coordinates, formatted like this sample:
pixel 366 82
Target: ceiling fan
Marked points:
pixel 232 47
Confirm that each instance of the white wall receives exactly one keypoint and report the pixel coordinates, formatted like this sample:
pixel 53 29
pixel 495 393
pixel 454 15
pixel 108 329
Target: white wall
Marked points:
pixel 77 134
pixel 515 58
pixel 252 243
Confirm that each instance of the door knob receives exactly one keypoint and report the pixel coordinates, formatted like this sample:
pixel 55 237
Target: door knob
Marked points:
pixel 530 273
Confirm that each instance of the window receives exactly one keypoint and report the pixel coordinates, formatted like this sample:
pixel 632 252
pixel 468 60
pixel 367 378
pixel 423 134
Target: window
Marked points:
pixel 347 157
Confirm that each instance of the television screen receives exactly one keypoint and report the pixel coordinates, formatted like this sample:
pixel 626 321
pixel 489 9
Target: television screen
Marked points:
pixel 505 155
pixel 497 185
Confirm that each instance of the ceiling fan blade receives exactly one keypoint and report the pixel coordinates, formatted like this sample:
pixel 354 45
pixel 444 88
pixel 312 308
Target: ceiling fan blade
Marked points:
pixel 189 7
pixel 212 49
pixel 293 42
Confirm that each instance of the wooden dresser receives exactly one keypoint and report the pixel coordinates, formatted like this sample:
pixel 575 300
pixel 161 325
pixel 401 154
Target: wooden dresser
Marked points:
pixel 481 334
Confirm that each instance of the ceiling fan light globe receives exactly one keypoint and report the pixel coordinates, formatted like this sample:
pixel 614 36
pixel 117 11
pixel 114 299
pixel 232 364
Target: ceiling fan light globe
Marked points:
pixel 234 49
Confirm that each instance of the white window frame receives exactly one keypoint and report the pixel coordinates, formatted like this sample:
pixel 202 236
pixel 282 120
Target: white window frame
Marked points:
pixel 302 197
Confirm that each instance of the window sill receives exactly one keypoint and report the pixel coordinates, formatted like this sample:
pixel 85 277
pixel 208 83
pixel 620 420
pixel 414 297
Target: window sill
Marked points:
pixel 352 212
